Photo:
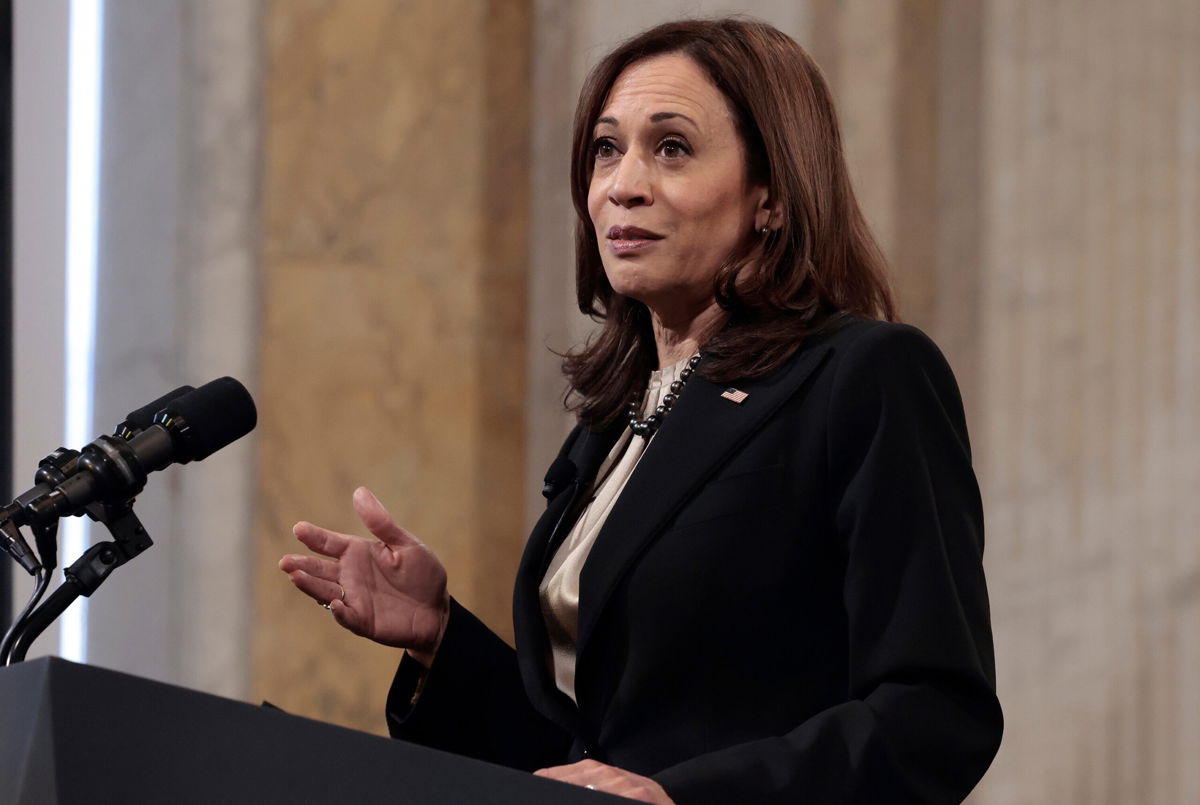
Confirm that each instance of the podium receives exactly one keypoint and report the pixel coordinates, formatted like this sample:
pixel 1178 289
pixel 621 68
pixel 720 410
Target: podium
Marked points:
pixel 73 733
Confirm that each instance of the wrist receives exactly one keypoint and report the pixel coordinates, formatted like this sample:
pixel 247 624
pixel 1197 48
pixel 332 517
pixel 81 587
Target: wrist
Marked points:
pixel 423 658
pixel 425 655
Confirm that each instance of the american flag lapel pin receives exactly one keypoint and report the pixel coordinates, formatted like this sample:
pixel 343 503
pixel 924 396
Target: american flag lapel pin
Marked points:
pixel 736 395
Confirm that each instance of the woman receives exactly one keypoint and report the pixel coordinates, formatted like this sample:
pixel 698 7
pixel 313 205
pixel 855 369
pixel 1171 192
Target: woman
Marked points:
pixel 760 580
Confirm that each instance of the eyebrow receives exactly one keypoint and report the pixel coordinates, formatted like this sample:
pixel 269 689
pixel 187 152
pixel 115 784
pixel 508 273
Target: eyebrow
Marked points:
pixel 657 117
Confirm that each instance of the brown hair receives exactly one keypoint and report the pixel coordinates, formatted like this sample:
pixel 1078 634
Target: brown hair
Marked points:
pixel 821 260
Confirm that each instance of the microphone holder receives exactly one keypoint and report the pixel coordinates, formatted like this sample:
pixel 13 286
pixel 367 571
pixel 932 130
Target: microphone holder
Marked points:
pixel 87 572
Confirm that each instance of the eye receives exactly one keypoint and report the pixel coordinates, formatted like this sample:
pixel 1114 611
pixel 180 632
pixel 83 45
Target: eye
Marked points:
pixel 673 148
pixel 603 148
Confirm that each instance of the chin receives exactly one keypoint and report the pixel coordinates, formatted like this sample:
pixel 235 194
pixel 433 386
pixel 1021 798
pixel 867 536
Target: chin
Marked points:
pixel 627 280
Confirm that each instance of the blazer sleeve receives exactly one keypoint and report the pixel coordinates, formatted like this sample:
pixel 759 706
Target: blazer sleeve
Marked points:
pixel 471 701
pixel 922 722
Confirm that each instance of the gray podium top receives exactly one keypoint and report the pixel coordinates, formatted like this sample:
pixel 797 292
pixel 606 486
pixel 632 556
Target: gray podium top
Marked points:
pixel 73 733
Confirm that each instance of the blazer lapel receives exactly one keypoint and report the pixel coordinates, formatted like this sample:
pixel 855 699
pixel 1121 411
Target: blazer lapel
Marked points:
pixel 702 430
pixel 533 643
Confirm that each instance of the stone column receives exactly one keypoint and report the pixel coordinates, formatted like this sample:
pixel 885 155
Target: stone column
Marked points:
pixel 395 253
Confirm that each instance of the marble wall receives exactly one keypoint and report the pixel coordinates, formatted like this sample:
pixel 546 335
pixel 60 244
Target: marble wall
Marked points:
pixel 395 226
pixel 1088 413
pixel 1033 172
pixel 216 333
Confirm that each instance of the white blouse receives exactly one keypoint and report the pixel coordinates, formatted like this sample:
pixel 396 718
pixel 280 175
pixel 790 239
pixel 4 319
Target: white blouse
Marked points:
pixel 559 589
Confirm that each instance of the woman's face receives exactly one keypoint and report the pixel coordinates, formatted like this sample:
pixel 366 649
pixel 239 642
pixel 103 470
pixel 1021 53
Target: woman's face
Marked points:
pixel 669 197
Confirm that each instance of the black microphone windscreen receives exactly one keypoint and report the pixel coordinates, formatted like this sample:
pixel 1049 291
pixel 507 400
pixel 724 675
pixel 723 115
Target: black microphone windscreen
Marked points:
pixel 215 414
pixel 143 417
pixel 562 472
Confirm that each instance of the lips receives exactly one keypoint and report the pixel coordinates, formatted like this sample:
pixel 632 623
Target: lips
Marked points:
pixel 632 233
pixel 630 240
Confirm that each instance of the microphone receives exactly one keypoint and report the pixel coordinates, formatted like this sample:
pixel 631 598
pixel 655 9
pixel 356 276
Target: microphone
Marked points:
pixel 56 468
pixel 111 470
pixel 138 420
pixel 59 465
pixel 562 472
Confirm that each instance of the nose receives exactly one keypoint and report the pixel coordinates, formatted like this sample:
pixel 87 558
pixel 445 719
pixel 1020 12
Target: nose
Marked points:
pixel 629 183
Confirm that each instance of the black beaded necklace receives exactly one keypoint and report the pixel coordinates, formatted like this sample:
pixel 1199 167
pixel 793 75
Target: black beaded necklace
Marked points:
pixel 648 426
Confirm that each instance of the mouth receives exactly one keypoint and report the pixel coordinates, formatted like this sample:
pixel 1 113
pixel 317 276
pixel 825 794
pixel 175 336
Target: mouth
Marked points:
pixel 632 233
pixel 626 239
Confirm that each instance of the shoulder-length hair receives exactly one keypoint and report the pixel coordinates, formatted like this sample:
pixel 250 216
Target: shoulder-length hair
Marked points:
pixel 818 261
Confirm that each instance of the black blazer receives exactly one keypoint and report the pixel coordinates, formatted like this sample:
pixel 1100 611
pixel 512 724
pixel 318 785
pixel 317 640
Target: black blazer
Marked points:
pixel 787 602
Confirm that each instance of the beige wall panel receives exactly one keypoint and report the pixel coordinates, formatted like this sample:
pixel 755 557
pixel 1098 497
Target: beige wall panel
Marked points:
pixel 951 311
pixel 867 33
pixel 884 63
pixel 1032 171
pixel 393 348
pixel 918 148
pixel 1089 448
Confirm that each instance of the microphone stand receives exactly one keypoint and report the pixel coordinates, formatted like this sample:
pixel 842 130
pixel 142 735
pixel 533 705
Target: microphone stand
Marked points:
pixel 45 535
pixel 87 573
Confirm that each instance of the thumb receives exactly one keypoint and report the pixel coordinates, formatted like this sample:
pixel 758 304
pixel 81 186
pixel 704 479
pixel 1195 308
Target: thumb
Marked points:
pixel 377 520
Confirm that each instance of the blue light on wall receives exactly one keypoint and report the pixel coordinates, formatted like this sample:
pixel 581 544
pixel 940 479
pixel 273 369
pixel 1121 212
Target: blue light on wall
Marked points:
pixel 83 195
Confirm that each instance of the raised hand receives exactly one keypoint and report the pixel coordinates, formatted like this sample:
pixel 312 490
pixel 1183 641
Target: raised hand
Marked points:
pixel 391 589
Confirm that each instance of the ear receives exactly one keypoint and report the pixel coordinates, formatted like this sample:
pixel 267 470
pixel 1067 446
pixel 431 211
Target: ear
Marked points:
pixel 766 210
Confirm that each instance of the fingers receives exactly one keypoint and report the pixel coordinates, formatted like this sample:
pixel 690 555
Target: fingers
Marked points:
pixel 602 777
pixel 318 579
pixel 312 565
pixel 321 540
pixel 581 773
pixel 315 576
pixel 323 591
pixel 377 520
pixel 373 515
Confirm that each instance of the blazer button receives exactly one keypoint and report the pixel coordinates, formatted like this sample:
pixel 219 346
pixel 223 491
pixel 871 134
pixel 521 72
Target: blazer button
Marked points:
pixel 587 752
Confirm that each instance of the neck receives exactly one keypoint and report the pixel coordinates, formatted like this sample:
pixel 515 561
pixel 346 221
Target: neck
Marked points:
pixel 682 337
